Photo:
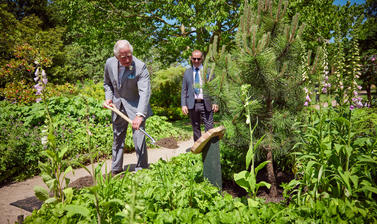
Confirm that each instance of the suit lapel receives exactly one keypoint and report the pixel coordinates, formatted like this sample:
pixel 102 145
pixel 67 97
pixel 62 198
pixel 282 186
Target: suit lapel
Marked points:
pixel 190 78
pixel 114 66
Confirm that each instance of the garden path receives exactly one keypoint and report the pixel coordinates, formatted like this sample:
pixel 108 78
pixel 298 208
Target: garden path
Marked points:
pixel 22 190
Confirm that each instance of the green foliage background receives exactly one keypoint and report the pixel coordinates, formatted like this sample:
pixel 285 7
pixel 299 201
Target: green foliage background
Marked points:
pixel 22 125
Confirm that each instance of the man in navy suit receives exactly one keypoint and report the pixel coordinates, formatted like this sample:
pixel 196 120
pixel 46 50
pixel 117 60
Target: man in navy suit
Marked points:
pixel 193 101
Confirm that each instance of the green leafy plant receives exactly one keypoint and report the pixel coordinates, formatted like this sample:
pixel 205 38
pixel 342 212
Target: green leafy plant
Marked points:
pixel 247 179
pixel 184 197
pixel 335 158
pixel 51 171
pixel 19 147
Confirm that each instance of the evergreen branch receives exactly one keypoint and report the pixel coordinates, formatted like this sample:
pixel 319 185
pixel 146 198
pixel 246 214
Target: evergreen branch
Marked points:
pixel 286 32
pixel 281 74
pixel 309 58
pixel 260 2
pixel 285 9
pixel 293 28
pixel 223 74
pixel 269 7
pixel 242 24
pixel 253 43
pixel 249 22
pixel 244 40
pixel 268 38
pixel 277 18
pixel 262 43
pixel 266 5
pixel 249 28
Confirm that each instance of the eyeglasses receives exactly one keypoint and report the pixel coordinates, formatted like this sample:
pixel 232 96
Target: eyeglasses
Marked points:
pixel 196 59
pixel 125 56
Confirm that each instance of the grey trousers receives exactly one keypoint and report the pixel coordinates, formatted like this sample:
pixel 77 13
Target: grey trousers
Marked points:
pixel 120 130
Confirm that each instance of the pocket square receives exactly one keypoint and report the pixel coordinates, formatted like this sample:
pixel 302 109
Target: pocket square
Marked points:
pixel 131 76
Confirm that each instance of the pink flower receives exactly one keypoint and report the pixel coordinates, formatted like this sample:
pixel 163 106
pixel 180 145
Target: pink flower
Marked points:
pixel 308 98
pixel 352 107
pixel 306 103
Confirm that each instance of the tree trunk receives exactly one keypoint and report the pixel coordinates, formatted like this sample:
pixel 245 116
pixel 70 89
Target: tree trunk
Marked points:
pixel 270 166
pixel 271 174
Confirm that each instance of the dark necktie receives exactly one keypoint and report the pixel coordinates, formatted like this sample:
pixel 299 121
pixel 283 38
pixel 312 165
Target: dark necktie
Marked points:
pixel 197 82
pixel 120 76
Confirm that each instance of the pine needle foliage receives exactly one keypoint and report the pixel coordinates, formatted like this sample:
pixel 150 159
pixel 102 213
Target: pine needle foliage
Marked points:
pixel 269 56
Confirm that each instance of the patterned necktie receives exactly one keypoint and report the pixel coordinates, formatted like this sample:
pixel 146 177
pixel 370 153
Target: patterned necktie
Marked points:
pixel 197 82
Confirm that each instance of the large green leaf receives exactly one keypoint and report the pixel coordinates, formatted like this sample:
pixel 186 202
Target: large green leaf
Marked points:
pixel 241 179
pixel 260 166
pixel 77 210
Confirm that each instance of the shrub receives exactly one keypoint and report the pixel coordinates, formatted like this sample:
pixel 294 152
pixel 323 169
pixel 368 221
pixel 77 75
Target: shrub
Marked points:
pixel 336 156
pixel 90 88
pixel 19 92
pixel 19 150
pixel 24 93
pixel 21 126
pixel 166 92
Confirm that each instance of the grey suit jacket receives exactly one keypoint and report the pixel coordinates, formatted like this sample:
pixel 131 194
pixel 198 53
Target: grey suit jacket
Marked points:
pixel 132 92
pixel 188 94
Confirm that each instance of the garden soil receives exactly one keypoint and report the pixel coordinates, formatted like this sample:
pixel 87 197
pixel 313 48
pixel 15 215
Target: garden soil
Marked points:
pixel 21 194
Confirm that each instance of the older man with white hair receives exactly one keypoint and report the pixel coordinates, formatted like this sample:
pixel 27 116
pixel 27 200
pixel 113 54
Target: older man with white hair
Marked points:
pixel 127 87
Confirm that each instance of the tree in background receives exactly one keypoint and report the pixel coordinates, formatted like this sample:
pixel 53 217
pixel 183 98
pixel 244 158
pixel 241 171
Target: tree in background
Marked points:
pixel 368 45
pixel 172 27
pixel 268 58
pixel 43 9
pixel 22 43
pixel 319 19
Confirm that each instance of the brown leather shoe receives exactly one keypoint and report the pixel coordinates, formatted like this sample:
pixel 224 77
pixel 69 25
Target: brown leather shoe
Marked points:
pixel 115 172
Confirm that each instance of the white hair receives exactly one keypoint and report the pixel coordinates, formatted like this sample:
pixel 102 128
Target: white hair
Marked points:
pixel 122 44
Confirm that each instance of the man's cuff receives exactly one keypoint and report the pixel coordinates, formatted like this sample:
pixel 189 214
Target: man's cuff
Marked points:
pixel 140 114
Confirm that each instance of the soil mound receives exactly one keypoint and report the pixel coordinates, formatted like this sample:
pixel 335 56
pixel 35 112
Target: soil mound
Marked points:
pixel 169 143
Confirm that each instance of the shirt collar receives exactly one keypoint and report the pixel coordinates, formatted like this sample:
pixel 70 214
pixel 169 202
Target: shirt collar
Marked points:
pixel 200 67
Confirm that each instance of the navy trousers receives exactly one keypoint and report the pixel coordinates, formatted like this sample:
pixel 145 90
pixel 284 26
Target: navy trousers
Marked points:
pixel 199 114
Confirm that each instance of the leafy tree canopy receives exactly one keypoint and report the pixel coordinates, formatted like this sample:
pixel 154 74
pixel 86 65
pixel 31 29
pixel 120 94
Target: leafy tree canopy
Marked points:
pixel 174 27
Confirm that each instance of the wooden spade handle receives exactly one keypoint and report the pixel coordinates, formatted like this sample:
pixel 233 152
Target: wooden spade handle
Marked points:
pixel 113 108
